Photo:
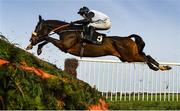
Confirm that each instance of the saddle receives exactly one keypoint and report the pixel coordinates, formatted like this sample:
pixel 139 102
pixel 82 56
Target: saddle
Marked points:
pixel 97 38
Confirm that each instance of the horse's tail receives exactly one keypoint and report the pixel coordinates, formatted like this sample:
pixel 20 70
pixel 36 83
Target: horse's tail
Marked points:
pixel 139 41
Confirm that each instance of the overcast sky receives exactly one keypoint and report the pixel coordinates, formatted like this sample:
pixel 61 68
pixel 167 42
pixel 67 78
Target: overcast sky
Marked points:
pixel 157 21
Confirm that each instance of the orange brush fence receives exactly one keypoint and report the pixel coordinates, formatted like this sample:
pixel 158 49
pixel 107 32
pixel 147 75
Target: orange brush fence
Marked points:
pixel 37 71
pixel 102 105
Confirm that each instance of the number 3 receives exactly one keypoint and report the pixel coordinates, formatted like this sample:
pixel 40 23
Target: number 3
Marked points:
pixel 99 38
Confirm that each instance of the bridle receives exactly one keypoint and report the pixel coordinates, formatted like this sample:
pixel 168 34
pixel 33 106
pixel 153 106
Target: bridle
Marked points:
pixel 35 33
pixel 55 29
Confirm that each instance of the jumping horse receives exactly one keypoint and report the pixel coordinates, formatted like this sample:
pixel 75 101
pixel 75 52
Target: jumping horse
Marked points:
pixel 127 49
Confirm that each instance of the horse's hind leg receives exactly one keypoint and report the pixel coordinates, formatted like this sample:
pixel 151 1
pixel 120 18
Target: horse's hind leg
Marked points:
pixel 144 58
pixel 151 60
pixel 152 66
pixel 40 46
pixel 161 67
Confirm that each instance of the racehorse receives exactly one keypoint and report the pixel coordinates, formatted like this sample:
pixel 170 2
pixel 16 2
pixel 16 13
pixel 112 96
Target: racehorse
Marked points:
pixel 127 49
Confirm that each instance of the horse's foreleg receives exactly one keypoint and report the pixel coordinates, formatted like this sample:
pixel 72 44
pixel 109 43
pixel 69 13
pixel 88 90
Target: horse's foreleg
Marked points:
pixel 40 46
pixel 57 43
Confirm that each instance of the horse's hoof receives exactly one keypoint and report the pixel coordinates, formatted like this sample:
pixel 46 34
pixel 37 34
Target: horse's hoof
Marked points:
pixel 163 68
pixel 168 67
pixel 39 51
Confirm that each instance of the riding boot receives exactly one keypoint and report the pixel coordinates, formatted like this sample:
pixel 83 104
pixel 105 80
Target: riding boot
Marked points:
pixel 86 32
pixel 91 32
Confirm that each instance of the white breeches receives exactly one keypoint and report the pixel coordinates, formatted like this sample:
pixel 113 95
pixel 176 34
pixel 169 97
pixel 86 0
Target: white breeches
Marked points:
pixel 101 24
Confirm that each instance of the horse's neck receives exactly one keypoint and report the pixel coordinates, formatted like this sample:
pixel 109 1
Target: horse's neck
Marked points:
pixel 56 23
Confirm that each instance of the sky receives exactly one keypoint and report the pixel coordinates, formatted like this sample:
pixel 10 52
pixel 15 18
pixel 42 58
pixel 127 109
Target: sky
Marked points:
pixel 156 21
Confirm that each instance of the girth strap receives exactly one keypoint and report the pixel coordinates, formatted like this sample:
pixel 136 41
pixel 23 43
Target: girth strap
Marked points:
pixel 82 49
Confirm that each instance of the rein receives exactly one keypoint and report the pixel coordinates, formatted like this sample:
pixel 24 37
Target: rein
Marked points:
pixel 35 34
pixel 59 28
pixel 62 26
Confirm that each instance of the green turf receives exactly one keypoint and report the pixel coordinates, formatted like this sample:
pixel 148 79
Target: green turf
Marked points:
pixel 144 102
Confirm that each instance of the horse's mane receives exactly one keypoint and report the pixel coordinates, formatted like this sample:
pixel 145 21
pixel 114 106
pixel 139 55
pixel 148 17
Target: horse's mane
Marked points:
pixel 56 22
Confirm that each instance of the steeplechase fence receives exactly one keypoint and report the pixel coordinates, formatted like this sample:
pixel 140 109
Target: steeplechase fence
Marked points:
pixel 131 81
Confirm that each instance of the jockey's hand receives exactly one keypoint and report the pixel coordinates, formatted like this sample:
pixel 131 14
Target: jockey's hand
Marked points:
pixel 83 21
pixel 86 20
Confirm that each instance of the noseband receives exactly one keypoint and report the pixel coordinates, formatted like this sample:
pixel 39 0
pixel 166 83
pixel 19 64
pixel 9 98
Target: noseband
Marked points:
pixel 34 34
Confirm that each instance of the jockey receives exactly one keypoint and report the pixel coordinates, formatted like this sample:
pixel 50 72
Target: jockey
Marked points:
pixel 94 20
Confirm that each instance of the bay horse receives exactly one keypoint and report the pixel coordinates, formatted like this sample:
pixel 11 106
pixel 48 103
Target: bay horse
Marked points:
pixel 70 41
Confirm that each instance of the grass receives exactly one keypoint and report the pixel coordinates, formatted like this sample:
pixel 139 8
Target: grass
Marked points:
pixel 143 97
pixel 143 105
pixel 144 102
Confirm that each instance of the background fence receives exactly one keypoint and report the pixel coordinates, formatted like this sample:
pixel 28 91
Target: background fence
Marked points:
pixel 131 81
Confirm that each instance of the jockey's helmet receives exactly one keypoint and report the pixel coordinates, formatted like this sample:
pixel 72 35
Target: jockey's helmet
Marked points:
pixel 83 10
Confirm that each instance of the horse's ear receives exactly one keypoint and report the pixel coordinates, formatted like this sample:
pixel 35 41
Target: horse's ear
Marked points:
pixel 40 18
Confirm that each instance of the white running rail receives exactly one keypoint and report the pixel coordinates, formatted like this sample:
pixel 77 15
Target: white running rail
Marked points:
pixel 131 81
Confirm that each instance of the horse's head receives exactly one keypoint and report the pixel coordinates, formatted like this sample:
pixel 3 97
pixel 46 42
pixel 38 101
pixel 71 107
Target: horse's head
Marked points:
pixel 39 34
